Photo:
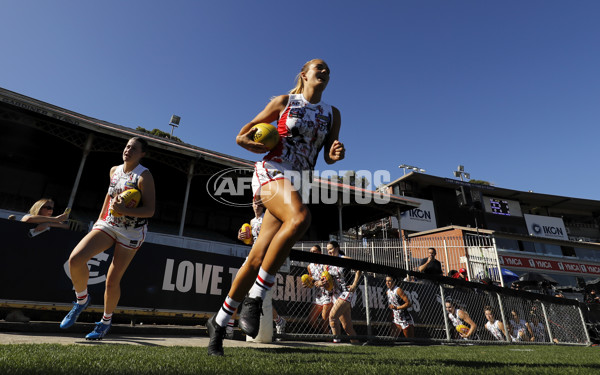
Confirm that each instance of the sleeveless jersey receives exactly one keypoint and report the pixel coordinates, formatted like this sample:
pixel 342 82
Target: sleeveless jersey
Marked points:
pixel 338 274
pixel 256 223
pixel 456 321
pixel 494 330
pixel 519 328
pixel 400 316
pixel 322 296
pixel 302 128
pixel 539 331
pixel 119 182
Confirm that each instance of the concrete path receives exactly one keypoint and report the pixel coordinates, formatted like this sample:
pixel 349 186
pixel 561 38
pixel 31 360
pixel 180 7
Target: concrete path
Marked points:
pixel 48 332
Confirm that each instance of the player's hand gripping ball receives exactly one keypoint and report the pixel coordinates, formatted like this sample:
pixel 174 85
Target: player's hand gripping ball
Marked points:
pixel 266 134
pixel 248 229
pixel 461 328
pixel 131 198
pixel 328 280
pixel 307 280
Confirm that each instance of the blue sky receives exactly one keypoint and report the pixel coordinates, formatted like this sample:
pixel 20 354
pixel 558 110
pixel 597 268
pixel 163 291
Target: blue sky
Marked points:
pixel 510 89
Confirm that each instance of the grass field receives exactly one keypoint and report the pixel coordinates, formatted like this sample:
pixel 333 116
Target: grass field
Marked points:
pixel 347 360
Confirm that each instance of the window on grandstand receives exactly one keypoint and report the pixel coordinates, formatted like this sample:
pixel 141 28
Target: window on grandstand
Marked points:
pixel 547 249
pixel 589 254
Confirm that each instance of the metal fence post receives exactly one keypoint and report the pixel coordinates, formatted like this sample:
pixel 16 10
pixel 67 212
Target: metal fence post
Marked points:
pixel 446 323
pixel 587 334
pixel 367 308
pixel 503 316
pixel 547 321
pixel 498 262
pixel 446 253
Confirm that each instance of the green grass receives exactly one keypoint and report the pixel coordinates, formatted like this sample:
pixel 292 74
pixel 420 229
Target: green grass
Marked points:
pixel 347 360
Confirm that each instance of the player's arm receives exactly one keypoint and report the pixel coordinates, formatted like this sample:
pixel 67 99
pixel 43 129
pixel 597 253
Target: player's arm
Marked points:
pixel 334 149
pixel 501 327
pixel 531 335
pixel 106 204
pixel 357 275
pixel 271 113
pixel 467 319
pixel 400 293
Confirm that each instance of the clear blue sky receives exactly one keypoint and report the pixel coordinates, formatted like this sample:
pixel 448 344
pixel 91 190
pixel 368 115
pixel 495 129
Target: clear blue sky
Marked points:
pixel 510 89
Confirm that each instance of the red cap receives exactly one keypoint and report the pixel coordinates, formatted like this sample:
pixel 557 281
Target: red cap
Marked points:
pixel 462 270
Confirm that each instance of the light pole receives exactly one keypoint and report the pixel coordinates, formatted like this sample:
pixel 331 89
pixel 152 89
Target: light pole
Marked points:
pixel 174 123
pixel 413 168
pixel 460 172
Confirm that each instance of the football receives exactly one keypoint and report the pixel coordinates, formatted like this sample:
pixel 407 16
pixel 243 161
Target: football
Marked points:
pixel 307 280
pixel 461 328
pixel 266 134
pixel 131 198
pixel 248 229
pixel 327 276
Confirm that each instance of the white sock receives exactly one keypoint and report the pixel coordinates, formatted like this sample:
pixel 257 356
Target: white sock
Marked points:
pixel 226 311
pixel 107 318
pixel 264 282
pixel 82 297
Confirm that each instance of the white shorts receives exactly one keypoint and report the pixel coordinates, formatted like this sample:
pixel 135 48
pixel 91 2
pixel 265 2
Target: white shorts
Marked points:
pixel 345 296
pixel 323 298
pixel 268 171
pixel 128 238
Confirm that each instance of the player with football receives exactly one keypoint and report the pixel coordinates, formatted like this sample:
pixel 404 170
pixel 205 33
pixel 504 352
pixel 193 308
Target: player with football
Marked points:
pixel 323 300
pixel 461 320
pixel 305 125
pixel 119 225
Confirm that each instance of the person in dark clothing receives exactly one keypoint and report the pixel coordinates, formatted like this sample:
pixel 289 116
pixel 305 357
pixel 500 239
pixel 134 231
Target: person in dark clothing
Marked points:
pixel 430 265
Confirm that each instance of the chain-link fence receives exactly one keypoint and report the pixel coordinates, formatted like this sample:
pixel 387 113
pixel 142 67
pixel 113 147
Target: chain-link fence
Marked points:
pixel 439 309
pixel 476 253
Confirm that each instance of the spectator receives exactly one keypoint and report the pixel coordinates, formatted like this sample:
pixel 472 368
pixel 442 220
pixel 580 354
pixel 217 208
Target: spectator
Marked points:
pixel 592 297
pixel 461 274
pixel 460 317
pixel 41 213
pixel 12 217
pixel 430 265
pixel 452 273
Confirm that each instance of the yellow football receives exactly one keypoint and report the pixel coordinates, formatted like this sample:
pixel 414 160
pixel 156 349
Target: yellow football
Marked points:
pixel 248 229
pixel 461 328
pixel 307 280
pixel 131 198
pixel 327 276
pixel 266 134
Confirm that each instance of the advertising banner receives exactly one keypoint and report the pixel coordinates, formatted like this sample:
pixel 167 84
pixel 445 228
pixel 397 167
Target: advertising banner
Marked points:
pixel 550 265
pixel 546 226
pixel 418 219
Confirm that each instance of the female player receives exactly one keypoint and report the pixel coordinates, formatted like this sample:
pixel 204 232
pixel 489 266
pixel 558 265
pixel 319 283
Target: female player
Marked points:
pixel 255 225
pixel 494 326
pixel 398 302
pixel 126 232
pixel 342 296
pixel 461 317
pixel 323 301
pixel 305 125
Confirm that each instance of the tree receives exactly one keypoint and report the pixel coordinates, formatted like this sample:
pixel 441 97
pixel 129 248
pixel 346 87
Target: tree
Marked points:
pixel 480 182
pixel 158 133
